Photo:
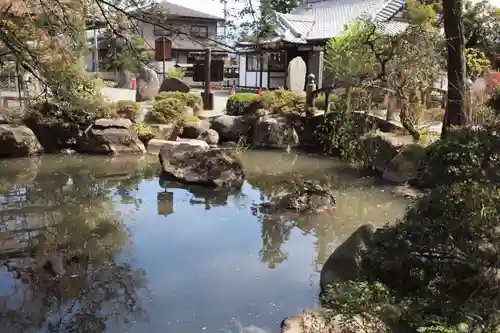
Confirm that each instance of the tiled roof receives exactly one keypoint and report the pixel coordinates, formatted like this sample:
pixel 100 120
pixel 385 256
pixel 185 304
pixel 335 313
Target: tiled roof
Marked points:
pixel 328 18
pixel 177 10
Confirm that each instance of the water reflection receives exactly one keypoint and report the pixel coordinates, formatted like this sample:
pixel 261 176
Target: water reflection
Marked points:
pixel 60 245
pixel 82 249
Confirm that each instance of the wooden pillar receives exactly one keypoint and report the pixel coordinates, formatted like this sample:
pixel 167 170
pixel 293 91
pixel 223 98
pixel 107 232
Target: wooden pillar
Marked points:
pixel 208 80
pixel 321 68
pixel 261 69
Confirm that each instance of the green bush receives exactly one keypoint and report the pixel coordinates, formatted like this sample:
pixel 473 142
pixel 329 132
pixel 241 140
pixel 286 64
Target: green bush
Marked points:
pixel 282 102
pixel 237 103
pixel 176 73
pixel 167 111
pixel 436 270
pixel 444 254
pixel 465 154
pixel 335 99
pixel 128 109
pixel 192 100
pixel 494 100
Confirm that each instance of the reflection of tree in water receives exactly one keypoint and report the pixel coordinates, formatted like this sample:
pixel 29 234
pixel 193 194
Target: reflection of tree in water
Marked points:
pixel 276 227
pixel 61 237
pixel 275 232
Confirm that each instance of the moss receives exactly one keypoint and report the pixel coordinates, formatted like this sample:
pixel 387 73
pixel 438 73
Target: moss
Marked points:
pixel 237 103
pixel 167 111
pixel 128 109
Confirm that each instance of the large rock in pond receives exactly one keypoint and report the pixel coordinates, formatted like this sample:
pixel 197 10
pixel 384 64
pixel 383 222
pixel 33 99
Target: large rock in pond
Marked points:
pixel 197 165
pixel 210 136
pixel 192 130
pixel 55 135
pixel 404 166
pixel 232 128
pixel 18 141
pixel 147 84
pixel 174 84
pixel 345 263
pixel 274 132
pixel 111 137
pixel 308 197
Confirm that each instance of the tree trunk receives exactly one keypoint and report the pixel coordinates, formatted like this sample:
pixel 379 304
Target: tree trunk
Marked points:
pixel 453 29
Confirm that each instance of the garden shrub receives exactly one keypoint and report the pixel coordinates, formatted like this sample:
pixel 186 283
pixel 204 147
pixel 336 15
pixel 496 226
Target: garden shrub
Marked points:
pixel 167 111
pixel 144 132
pixel 176 73
pixel 340 134
pixel 128 109
pixel 444 254
pixel 494 100
pixel 465 154
pixel 436 269
pixel 237 103
pixel 336 100
pixel 192 100
pixel 282 102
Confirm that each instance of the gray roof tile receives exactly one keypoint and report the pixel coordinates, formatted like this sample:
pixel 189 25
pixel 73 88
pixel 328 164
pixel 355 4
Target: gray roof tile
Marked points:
pixel 328 18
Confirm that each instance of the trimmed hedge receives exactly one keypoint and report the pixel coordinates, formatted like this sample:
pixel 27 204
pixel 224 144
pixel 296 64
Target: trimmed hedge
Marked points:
pixel 190 99
pixel 237 103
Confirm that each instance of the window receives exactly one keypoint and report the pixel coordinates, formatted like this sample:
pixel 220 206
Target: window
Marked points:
pixel 199 30
pixel 253 62
pixel 275 62
pixel 159 31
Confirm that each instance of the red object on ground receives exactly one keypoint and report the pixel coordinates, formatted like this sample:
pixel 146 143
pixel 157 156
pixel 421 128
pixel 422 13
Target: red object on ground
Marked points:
pixel 233 90
pixel 211 90
pixel 132 84
pixel 260 91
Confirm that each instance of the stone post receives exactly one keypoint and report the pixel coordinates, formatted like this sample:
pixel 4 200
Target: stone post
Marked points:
pixel 310 88
pixel 208 81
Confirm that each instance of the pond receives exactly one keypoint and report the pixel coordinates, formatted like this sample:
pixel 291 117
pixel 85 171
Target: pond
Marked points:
pixel 93 244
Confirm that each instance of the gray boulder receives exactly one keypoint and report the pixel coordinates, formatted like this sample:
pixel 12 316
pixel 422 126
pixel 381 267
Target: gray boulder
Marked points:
pixel 232 128
pixel 404 166
pixel 210 136
pixel 111 137
pixel 380 148
pixel 174 84
pixel 309 197
pixel 197 165
pixel 274 132
pixel 345 263
pixel 18 141
pixel 124 79
pixel 193 130
pixel 147 84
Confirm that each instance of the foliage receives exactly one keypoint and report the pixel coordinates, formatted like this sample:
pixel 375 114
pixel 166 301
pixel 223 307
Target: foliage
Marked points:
pixel 436 270
pixel 282 102
pixel 444 255
pixel 192 119
pixel 237 103
pixel 191 100
pixel 144 132
pixel 481 26
pixel 339 135
pixel 494 101
pixel 128 109
pixel 366 54
pixel 465 154
pixel 253 19
pixel 477 63
pixel 176 73
pixel 167 111
pixel 125 53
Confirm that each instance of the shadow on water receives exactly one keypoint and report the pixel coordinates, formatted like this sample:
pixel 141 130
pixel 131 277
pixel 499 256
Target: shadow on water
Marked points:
pixel 73 260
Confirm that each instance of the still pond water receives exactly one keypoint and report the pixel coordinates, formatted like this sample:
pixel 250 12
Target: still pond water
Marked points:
pixel 133 253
